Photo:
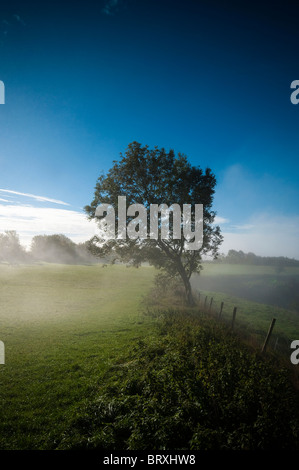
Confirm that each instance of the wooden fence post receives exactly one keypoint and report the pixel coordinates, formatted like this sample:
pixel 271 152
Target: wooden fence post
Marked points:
pixel 205 304
pixel 234 317
pixel 221 308
pixel 211 301
pixel 268 335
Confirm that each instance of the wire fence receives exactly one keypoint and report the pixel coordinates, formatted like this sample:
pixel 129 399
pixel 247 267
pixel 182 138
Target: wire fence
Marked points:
pixel 255 337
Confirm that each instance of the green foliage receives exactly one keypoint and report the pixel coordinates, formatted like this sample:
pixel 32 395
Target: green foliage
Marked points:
pixel 84 369
pixel 154 176
pixel 63 327
pixel 58 248
pixel 239 257
pixel 11 250
pixel 192 387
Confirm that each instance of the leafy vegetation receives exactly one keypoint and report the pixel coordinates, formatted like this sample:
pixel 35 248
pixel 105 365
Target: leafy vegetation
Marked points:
pixel 239 257
pixel 63 327
pixel 85 369
pixel 260 285
pixel 144 178
pixel 58 248
pixel 55 248
pixel 194 386
pixel 11 249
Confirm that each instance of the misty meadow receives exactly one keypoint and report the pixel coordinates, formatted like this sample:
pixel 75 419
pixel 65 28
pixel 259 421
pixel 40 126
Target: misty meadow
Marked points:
pixel 142 344
pixel 96 360
pixel 172 127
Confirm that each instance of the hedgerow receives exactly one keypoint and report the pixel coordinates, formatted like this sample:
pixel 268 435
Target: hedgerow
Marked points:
pixel 192 386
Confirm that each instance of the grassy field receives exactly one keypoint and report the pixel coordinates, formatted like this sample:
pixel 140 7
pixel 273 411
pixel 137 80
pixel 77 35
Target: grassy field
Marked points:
pixel 226 269
pixel 258 292
pixel 64 327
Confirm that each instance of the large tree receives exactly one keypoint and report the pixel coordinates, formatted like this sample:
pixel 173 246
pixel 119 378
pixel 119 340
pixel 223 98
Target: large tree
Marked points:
pixel 58 248
pixel 153 176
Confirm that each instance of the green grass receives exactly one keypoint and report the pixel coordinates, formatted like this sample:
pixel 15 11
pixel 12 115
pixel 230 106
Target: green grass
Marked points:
pixel 69 332
pixel 258 293
pixel 225 269
pixel 255 316
pixel 194 386
pixel 62 326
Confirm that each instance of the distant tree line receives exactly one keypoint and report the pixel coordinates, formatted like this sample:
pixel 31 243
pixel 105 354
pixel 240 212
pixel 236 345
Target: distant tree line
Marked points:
pixel 239 257
pixel 55 248
pixel 11 250
pixel 58 248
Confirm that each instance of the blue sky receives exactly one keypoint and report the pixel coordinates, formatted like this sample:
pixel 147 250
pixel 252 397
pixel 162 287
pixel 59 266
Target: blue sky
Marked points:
pixel 208 80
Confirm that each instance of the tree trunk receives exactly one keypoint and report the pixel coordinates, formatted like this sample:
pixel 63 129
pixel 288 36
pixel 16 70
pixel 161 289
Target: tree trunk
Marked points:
pixel 189 295
pixel 176 259
pixel 187 285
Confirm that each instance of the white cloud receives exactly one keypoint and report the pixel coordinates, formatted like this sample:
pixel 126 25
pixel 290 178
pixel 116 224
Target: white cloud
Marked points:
pixel 33 196
pixel 260 213
pixel 243 227
pixel 264 234
pixel 28 221
pixel 220 220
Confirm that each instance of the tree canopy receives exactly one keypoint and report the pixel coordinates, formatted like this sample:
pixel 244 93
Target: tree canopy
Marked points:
pixel 11 250
pixel 153 176
pixel 239 257
pixel 58 248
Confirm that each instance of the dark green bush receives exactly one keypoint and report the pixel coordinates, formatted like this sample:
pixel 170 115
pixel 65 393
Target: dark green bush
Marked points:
pixel 193 387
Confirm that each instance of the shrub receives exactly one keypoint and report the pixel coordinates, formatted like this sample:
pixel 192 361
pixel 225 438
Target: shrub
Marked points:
pixel 192 387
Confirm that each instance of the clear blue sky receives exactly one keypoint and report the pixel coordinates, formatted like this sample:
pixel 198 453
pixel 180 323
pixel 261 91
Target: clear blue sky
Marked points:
pixel 83 80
